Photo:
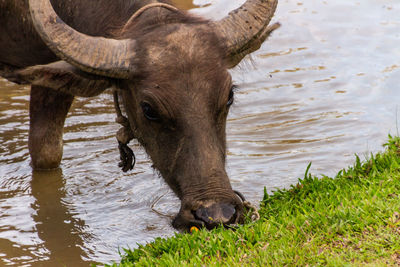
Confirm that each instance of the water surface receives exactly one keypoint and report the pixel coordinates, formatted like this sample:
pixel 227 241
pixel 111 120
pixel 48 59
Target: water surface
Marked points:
pixel 324 87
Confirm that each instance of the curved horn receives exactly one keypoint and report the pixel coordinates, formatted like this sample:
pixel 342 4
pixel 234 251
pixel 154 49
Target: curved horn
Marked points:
pixel 246 28
pixel 97 55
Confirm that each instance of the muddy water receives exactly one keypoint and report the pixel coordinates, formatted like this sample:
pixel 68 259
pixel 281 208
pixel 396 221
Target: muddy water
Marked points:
pixel 324 87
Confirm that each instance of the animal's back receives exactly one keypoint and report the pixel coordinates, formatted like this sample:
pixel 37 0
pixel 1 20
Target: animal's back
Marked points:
pixel 21 46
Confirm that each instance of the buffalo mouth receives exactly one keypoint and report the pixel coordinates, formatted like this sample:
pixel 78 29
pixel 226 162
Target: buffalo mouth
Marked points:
pixel 210 214
pixel 216 214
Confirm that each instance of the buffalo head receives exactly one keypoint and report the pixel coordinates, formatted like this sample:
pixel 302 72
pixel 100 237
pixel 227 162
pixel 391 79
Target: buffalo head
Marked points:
pixel 173 75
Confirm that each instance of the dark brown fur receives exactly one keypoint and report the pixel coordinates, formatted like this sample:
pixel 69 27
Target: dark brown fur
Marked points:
pixel 183 78
pixel 190 95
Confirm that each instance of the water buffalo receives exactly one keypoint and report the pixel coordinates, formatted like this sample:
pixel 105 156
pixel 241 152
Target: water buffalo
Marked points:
pixel 169 67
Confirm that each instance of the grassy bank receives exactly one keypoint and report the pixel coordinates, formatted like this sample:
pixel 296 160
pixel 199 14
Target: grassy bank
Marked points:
pixel 351 219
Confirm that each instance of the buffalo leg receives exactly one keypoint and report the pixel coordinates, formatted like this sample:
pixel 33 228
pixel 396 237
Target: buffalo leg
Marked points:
pixel 48 110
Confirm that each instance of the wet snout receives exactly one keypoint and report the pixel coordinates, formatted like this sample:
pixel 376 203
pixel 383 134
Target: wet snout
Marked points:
pixel 216 214
pixel 209 214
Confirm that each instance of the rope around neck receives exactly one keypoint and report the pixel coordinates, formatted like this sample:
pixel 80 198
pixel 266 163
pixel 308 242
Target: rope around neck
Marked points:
pixel 255 216
pixel 124 136
pixel 144 8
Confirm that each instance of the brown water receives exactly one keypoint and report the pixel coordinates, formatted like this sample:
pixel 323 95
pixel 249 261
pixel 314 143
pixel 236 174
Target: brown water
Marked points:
pixel 324 87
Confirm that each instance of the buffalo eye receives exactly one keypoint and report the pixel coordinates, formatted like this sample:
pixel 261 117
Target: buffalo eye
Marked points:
pixel 230 98
pixel 149 112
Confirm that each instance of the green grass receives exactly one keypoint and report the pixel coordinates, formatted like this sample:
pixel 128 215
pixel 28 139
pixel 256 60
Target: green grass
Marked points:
pixel 352 219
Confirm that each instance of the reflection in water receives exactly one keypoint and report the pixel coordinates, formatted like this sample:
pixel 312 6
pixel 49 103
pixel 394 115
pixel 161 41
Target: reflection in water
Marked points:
pixel 325 86
pixel 60 232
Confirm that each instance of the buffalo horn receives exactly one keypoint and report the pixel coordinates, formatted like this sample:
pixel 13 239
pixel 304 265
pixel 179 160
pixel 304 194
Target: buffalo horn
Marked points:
pixel 96 55
pixel 246 28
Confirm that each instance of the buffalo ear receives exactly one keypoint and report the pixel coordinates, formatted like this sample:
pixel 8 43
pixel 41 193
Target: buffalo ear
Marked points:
pixel 61 76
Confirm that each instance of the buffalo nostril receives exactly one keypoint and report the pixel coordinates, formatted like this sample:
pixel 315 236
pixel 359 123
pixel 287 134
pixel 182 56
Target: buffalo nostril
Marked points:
pixel 216 214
